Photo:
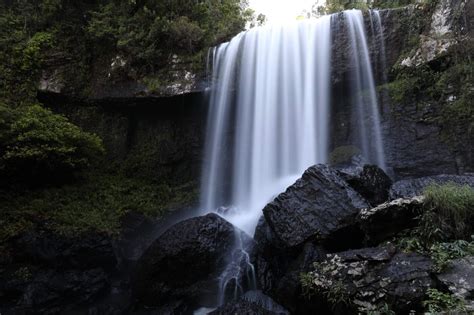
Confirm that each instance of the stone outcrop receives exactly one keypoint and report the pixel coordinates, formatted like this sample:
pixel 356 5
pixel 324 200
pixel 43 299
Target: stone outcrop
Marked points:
pixel 43 272
pixel 458 278
pixel 318 206
pixel 369 181
pixel 154 138
pixel 364 280
pixel 414 187
pixel 252 303
pixel 184 263
pixel 388 219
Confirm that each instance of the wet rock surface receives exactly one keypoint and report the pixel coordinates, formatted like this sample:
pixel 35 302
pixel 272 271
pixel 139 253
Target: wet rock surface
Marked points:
pixel 318 206
pixel 185 261
pixel 252 303
pixel 369 277
pixel 458 278
pixel 369 181
pixel 388 219
pixel 408 188
pixel 43 272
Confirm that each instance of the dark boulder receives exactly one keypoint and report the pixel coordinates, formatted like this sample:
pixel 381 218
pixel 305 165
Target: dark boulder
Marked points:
pixel 45 247
pixel 252 303
pixel 43 272
pixel 458 279
pixel 364 280
pixel 369 181
pixel 242 306
pixel 184 263
pixel 319 206
pixel 388 219
pixel 414 187
pixel 278 270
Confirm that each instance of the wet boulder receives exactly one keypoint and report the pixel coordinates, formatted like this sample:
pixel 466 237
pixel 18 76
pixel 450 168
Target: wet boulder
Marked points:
pixel 369 181
pixel 365 280
pixel 186 260
pixel 43 272
pixel 252 303
pixel 242 306
pixel 458 278
pixel 318 206
pixel 386 220
pixel 414 187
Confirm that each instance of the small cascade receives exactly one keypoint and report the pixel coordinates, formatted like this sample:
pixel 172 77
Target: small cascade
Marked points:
pixel 239 274
pixel 363 92
pixel 379 36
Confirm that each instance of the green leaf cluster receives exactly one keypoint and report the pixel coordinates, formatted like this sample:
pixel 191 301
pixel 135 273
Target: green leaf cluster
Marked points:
pixel 97 203
pixel 439 302
pixel 36 144
pixel 333 6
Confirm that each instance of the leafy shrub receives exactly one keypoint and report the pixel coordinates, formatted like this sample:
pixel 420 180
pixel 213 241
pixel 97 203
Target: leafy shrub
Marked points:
pixel 439 302
pixel 443 253
pixel 36 144
pixel 96 203
pixel 448 213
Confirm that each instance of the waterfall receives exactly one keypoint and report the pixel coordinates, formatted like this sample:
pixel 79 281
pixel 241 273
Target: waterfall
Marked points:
pixel 269 115
pixel 363 91
pixel 269 120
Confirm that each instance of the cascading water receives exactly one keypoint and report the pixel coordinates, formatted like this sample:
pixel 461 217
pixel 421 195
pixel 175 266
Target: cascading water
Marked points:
pixel 269 115
pixel 363 91
pixel 269 120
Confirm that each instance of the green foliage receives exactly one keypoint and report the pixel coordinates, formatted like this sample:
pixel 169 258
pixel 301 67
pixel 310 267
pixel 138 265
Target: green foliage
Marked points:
pixel 343 154
pixel 444 89
pixel 83 35
pixel 439 302
pixel 34 143
pixel 445 227
pixel 443 253
pixel 95 204
pixel 448 213
pixel 147 33
pixel 23 273
pixel 333 6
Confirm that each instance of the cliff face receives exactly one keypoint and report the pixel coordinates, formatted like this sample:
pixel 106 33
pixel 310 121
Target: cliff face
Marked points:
pixel 427 128
pixel 157 138
pixel 430 130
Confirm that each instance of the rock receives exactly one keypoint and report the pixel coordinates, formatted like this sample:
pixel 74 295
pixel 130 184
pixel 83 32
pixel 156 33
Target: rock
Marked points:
pixel 278 270
pixel 388 219
pixel 441 36
pixel 46 273
pixel 319 206
pixel 45 247
pixel 414 187
pixel 364 280
pixel 50 290
pixel 252 303
pixel 370 182
pixel 258 297
pixel 242 306
pixel 459 279
pixel 186 260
